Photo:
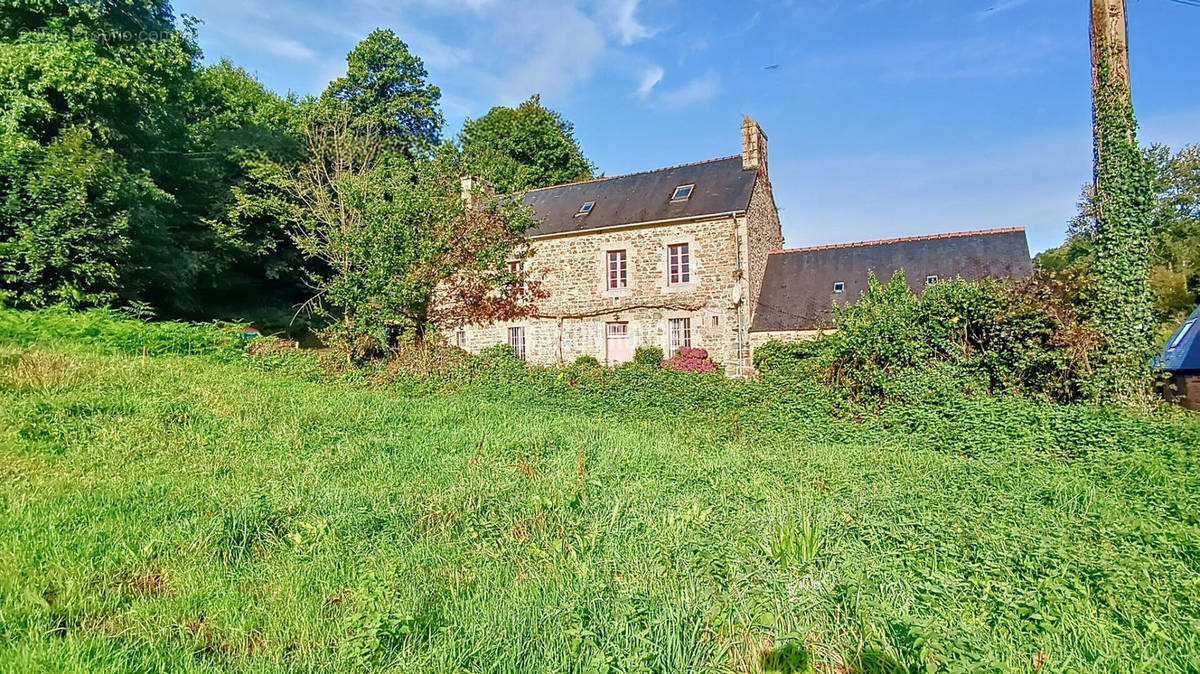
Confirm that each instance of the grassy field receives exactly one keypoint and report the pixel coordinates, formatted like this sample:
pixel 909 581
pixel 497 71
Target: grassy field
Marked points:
pixel 206 513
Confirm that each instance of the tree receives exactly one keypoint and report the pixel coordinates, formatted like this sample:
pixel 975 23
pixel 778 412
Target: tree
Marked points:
pixel 1174 235
pixel 523 147
pixel 385 88
pixel 397 247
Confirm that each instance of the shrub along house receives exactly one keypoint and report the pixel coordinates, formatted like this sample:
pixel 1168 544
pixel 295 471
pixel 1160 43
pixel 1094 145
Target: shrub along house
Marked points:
pixel 1180 359
pixel 691 256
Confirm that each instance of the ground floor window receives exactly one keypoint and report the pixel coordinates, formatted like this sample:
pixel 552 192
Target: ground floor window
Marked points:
pixel 516 339
pixel 462 339
pixel 679 334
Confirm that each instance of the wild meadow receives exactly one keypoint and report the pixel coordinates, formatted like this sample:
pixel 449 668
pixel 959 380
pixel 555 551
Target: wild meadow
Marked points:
pixel 198 509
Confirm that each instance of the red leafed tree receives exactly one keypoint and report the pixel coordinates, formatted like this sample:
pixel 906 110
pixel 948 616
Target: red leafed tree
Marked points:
pixel 397 246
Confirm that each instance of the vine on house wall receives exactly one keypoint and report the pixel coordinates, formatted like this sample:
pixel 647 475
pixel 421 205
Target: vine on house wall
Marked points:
pixel 1124 199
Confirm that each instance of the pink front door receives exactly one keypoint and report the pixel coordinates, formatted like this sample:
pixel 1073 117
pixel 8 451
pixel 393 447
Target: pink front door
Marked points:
pixel 620 349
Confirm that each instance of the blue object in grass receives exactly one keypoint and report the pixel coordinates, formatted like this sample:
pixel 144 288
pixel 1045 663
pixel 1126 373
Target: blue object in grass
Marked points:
pixel 251 333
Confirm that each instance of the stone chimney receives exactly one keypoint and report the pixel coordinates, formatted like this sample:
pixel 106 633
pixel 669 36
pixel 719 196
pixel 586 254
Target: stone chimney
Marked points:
pixel 468 190
pixel 754 146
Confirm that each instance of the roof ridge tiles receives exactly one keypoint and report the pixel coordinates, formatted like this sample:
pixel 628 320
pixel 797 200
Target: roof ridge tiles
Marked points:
pixel 926 237
pixel 635 173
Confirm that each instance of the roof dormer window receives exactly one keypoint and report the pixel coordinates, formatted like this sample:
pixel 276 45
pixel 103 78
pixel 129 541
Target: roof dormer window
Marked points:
pixel 683 192
pixel 586 208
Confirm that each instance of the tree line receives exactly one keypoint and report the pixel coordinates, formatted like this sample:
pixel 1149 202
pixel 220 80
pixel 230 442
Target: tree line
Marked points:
pixel 132 175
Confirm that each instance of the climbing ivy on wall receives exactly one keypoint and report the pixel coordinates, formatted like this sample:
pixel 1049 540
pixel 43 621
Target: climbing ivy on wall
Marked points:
pixel 1124 199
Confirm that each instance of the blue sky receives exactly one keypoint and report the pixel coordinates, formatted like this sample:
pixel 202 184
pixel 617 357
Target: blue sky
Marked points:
pixel 885 117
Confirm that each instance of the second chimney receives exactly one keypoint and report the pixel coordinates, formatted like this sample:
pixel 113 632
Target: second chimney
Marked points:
pixel 754 146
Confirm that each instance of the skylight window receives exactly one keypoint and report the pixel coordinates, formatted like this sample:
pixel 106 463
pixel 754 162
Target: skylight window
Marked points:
pixel 682 193
pixel 838 287
pixel 1183 332
pixel 586 208
pixel 932 279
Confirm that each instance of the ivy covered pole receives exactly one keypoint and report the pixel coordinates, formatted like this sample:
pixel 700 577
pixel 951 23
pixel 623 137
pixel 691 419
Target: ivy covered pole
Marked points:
pixel 1124 198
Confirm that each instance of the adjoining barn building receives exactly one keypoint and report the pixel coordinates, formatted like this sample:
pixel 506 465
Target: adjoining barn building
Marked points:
pixel 691 255
pixel 1180 359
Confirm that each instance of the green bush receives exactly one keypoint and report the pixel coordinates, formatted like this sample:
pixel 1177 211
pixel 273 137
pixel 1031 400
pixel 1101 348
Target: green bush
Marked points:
pixel 586 361
pixel 648 355
pixel 119 333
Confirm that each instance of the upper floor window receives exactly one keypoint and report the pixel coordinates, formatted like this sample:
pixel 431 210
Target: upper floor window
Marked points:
pixel 617 270
pixel 679 334
pixel 679 263
pixel 839 286
pixel 514 266
pixel 586 208
pixel 682 193
pixel 516 339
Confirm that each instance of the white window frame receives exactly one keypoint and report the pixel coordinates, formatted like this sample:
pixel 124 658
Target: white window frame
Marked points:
pixel 691 188
pixel 1183 332
pixel 516 339
pixel 839 286
pixel 931 280
pixel 679 334
pixel 621 269
pixel 585 208
pixel 683 274
pixel 461 339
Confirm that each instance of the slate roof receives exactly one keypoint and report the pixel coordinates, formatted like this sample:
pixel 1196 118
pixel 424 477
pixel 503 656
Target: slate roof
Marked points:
pixel 1185 355
pixel 797 290
pixel 722 186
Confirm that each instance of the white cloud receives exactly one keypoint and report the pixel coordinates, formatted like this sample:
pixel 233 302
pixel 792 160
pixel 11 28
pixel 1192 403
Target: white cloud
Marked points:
pixel 969 58
pixel 622 15
pixel 288 49
pixel 699 90
pixel 650 78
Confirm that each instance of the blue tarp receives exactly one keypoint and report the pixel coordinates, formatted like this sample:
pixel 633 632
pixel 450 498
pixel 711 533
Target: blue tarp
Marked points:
pixel 1183 348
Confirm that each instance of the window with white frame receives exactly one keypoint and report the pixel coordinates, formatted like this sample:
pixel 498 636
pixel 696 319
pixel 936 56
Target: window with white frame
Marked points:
pixel 617 270
pixel 930 280
pixel 1183 333
pixel 462 339
pixel 839 286
pixel 516 339
pixel 682 193
pixel 514 266
pixel 586 208
pixel 679 334
pixel 679 263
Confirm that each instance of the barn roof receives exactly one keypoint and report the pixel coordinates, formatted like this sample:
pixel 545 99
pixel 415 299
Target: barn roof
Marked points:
pixel 798 288
pixel 1182 352
pixel 721 186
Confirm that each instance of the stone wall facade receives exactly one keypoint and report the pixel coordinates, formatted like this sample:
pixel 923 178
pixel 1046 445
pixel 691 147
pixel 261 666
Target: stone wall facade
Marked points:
pixel 573 319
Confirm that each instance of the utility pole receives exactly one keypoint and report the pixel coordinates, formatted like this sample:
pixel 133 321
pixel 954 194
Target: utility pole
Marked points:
pixel 1110 44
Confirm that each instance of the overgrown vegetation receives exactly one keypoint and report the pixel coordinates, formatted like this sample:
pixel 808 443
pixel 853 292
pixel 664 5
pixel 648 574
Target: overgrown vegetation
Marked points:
pixel 213 513
pixel 987 337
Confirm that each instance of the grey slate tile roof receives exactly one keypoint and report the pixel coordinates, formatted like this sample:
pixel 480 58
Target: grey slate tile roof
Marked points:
pixel 722 186
pixel 797 290
pixel 1185 356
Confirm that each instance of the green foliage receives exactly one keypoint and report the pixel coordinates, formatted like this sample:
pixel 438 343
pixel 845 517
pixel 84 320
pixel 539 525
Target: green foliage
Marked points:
pixel 523 147
pixel 1124 308
pixel 112 332
pixel 1174 235
pixel 958 338
pixel 651 356
pixel 624 521
pixel 385 88
pixel 586 362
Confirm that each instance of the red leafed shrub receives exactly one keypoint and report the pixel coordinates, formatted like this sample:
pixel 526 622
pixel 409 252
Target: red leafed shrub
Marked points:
pixel 690 360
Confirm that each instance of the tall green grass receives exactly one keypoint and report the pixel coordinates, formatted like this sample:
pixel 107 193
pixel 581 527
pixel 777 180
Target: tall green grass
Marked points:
pixel 211 514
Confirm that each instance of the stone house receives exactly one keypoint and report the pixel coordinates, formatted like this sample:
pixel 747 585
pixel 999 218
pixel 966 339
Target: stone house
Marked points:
pixel 669 258
pixel 692 255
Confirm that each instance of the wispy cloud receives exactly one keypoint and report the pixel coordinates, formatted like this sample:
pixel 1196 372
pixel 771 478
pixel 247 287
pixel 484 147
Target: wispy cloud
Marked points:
pixel 288 49
pixel 622 15
pixel 969 58
pixel 650 79
pixel 699 90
